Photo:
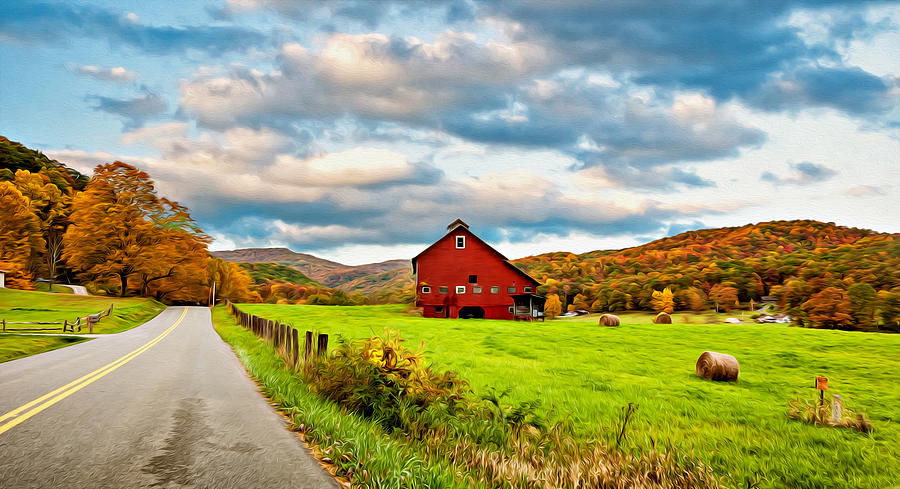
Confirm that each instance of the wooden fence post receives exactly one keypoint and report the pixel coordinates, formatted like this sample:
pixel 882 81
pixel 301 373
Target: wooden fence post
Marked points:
pixel 307 348
pixel 90 324
pixel 322 347
pixel 66 325
pixel 295 348
pixel 4 325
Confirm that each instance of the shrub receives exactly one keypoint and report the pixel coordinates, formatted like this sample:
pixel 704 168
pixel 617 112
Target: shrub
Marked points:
pixel 382 379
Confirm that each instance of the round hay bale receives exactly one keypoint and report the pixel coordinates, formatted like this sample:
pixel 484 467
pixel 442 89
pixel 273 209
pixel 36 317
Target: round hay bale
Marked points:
pixel 717 366
pixel 662 318
pixel 609 320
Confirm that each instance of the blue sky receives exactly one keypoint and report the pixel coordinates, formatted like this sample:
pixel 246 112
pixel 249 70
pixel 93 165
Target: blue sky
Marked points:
pixel 357 130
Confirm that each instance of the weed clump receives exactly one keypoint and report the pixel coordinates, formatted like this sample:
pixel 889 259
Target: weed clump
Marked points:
pixel 822 414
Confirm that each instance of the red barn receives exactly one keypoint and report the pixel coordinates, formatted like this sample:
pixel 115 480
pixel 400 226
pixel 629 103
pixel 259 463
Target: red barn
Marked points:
pixel 461 276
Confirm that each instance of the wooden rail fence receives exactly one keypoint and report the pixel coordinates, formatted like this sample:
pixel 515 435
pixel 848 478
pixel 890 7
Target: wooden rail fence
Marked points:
pixel 90 320
pixel 284 338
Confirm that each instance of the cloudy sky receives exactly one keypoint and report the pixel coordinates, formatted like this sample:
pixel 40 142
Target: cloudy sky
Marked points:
pixel 356 130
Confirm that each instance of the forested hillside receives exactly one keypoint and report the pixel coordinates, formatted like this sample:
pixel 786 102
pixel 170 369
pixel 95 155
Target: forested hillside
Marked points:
pixel 14 156
pixel 824 275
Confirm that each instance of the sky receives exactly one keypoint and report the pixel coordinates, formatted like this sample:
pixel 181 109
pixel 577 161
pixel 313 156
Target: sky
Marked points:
pixel 357 130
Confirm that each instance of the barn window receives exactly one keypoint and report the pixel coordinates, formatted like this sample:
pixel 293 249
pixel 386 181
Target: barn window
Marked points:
pixel 510 309
pixel 460 289
pixel 476 289
pixel 460 242
pixel 526 289
pixel 438 309
pixel 495 290
pixel 473 279
pixel 443 289
pixel 511 290
pixel 426 290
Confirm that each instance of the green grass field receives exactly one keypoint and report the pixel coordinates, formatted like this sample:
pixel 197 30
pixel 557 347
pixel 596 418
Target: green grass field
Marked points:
pixel 585 373
pixel 45 287
pixel 22 305
pixel 17 346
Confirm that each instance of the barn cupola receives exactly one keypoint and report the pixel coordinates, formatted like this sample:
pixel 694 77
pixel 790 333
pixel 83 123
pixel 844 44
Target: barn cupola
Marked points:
pixel 458 222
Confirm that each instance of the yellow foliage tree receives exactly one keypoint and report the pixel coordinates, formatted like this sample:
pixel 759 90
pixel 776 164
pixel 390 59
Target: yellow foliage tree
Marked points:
pixel 232 282
pixel 553 306
pixel 20 236
pixel 663 300
pixel 51 206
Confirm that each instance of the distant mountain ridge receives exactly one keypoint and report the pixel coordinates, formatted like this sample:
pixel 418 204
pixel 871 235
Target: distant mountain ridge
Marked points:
pixel 365 279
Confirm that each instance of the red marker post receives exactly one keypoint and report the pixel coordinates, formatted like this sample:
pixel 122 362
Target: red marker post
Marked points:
pixel 822 386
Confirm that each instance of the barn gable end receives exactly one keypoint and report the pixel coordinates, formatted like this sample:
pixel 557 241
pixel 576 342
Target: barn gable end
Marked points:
pixel 460 275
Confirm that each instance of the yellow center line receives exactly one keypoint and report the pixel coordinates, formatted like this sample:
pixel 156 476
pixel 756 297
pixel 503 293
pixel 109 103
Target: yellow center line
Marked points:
pixel 79 383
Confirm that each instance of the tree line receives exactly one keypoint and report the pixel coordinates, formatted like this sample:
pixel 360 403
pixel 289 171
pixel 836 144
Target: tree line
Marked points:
pixel 823 275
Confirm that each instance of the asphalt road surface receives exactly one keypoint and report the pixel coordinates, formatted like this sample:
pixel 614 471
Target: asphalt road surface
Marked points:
pixel 155 406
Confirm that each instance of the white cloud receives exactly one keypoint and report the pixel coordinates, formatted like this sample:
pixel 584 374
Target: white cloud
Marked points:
pixel 116 74
pixel 354 167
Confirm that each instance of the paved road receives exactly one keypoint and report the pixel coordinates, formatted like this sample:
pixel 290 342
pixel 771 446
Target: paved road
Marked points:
pixel 181 413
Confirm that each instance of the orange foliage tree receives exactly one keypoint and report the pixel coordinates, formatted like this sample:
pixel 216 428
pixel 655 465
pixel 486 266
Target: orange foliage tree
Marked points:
pixel 723 296
pixel 829 308
pixel 20 237
pixel 121 229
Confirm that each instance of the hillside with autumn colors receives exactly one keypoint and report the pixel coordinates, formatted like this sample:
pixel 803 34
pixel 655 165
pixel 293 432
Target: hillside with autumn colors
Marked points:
pixel 822 274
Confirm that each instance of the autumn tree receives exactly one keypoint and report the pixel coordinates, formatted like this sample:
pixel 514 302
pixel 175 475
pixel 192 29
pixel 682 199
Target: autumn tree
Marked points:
pixel 120 229
pixel 663 300
pixel 829 308
pixel 696 299
pixel 723 296
pixel 51 206
pixel 618 301
pixel 553 306
pixel 20 238
pixel 581 301
pixel 862 304
pixel 231 281
pixel 889 308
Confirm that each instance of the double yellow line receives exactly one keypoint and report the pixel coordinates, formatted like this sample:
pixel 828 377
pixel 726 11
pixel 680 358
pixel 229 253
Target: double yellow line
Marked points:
pixel 67 390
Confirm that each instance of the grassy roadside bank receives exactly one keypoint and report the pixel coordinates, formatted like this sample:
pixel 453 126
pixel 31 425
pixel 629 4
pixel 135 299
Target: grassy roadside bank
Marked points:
pixel 18 346
pixel 356 448
pixel 25 305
